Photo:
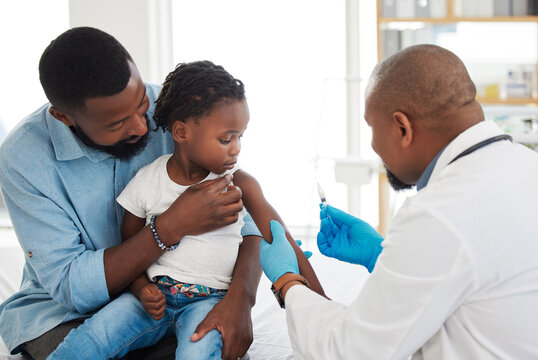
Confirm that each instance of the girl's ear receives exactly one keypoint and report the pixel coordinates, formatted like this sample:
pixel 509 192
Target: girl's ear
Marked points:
pixel 405 129
pixel 60 116
pixel 179 132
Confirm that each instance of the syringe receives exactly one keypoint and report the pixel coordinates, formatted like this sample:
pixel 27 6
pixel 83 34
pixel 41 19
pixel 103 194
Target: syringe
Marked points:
pixel 322 196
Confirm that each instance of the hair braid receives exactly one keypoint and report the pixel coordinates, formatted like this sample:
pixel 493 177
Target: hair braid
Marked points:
pixel 193 90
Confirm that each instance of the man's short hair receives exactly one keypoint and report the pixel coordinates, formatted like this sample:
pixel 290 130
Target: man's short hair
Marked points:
pixel 83 63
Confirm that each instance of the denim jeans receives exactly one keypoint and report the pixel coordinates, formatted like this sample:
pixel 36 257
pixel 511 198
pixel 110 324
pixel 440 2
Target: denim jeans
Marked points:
pixel 186 313
pixel 124 325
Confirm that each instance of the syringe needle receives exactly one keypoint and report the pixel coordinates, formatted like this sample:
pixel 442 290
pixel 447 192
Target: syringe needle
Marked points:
pixel 322 196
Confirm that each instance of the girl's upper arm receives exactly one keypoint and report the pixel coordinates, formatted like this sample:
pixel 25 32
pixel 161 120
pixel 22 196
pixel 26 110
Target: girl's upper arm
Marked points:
pixel 262 213
pixel 131 225
pixel 258 207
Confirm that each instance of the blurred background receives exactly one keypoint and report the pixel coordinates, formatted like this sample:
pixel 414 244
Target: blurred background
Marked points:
pixel 304 65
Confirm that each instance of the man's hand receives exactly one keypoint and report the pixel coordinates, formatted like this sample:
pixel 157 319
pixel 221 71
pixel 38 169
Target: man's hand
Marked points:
pixel 201 208
pixel 153 301
pixel 347 238
pixel 231 317
pixel 278 257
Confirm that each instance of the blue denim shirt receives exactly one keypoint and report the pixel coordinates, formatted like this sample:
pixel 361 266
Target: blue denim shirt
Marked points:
pixel 61 197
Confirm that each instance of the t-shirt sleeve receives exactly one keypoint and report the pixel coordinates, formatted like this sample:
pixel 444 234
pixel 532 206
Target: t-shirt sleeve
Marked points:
pixel 132 197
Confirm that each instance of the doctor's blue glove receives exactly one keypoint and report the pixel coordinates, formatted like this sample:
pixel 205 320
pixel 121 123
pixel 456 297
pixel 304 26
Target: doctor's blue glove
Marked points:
pixel 277 258
pixel 307 253
pixel 347 238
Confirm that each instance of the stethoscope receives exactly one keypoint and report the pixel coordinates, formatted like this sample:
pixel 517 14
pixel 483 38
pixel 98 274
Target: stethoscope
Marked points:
pixel 481 144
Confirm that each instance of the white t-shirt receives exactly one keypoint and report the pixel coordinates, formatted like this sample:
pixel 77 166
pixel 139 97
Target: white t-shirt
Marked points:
pixel 458 274
pixel 207 259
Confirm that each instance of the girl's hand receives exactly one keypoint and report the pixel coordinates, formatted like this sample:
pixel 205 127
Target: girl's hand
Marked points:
pixel 153 301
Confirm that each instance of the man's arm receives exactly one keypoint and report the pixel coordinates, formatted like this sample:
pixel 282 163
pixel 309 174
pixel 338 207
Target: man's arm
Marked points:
pixel 50 236
pixel 262 213
pixel 201 208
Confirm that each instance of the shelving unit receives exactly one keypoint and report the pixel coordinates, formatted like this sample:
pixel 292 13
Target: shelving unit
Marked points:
pixel 511 101
pixel 450 19
pixel 506 104
pixel 384 23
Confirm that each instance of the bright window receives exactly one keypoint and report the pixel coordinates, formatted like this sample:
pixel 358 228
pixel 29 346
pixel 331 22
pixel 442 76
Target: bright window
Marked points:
pixel 291 57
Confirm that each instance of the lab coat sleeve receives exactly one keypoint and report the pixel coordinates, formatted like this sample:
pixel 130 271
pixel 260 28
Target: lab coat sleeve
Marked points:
pixel 420 278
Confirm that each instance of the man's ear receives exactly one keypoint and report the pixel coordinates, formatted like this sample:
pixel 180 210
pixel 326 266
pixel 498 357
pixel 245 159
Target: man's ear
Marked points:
pixel 404 128
pixel 61 116
pixel 179 132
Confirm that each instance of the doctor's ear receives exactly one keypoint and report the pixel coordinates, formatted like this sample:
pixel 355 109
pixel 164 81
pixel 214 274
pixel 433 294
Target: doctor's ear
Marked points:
pixel 405 129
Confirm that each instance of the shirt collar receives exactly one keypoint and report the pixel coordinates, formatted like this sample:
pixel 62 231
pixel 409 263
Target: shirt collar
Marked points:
pixel 67 146
pixel 423 180
pixel 469 137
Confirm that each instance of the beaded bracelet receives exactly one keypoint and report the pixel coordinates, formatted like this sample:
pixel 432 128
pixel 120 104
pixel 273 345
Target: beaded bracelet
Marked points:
pixel 156 237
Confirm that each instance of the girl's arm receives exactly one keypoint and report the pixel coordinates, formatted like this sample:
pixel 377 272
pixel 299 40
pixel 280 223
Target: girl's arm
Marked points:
pixel 131 225
pixel 150 296
pixel 262 213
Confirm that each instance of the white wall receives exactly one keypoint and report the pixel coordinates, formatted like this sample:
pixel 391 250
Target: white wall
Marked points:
pixel 142 26
pixel 291 56
pixel 26 29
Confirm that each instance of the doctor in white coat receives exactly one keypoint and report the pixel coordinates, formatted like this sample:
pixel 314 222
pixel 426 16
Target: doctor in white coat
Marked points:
pixel 457 274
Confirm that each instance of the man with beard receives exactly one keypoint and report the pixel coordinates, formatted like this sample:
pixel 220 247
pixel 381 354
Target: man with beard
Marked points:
pixel 457 275
pixel 61 170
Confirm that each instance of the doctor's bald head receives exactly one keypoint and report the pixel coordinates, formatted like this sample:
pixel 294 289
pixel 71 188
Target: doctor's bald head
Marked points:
pixel 424 82
pixel 418 101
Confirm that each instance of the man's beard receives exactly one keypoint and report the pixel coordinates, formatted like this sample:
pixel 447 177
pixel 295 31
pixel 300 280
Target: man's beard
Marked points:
pixel 396 183
pixel 122 149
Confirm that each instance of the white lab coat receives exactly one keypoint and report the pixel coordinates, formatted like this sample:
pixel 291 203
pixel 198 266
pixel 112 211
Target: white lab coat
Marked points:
pixel 458 275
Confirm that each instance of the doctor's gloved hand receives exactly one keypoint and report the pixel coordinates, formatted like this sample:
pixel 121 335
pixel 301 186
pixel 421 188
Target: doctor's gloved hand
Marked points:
pixel 307 253
pixel 277 258
pixel 347 238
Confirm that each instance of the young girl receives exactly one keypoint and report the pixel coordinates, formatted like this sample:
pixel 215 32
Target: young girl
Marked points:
pixel 205 110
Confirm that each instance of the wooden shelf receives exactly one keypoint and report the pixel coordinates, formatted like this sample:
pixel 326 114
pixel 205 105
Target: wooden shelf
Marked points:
pixel 454 19
pixel 384 22
pixel 512 101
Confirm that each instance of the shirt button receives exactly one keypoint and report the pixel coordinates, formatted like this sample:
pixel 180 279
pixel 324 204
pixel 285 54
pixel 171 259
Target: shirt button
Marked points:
pixel 29 253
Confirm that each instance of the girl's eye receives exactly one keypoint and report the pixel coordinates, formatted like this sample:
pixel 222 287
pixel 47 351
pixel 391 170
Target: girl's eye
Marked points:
pixel 224 142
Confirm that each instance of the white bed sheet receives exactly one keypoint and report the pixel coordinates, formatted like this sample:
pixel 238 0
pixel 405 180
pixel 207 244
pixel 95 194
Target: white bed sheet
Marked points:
pixel 11 260
pixel 341 281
